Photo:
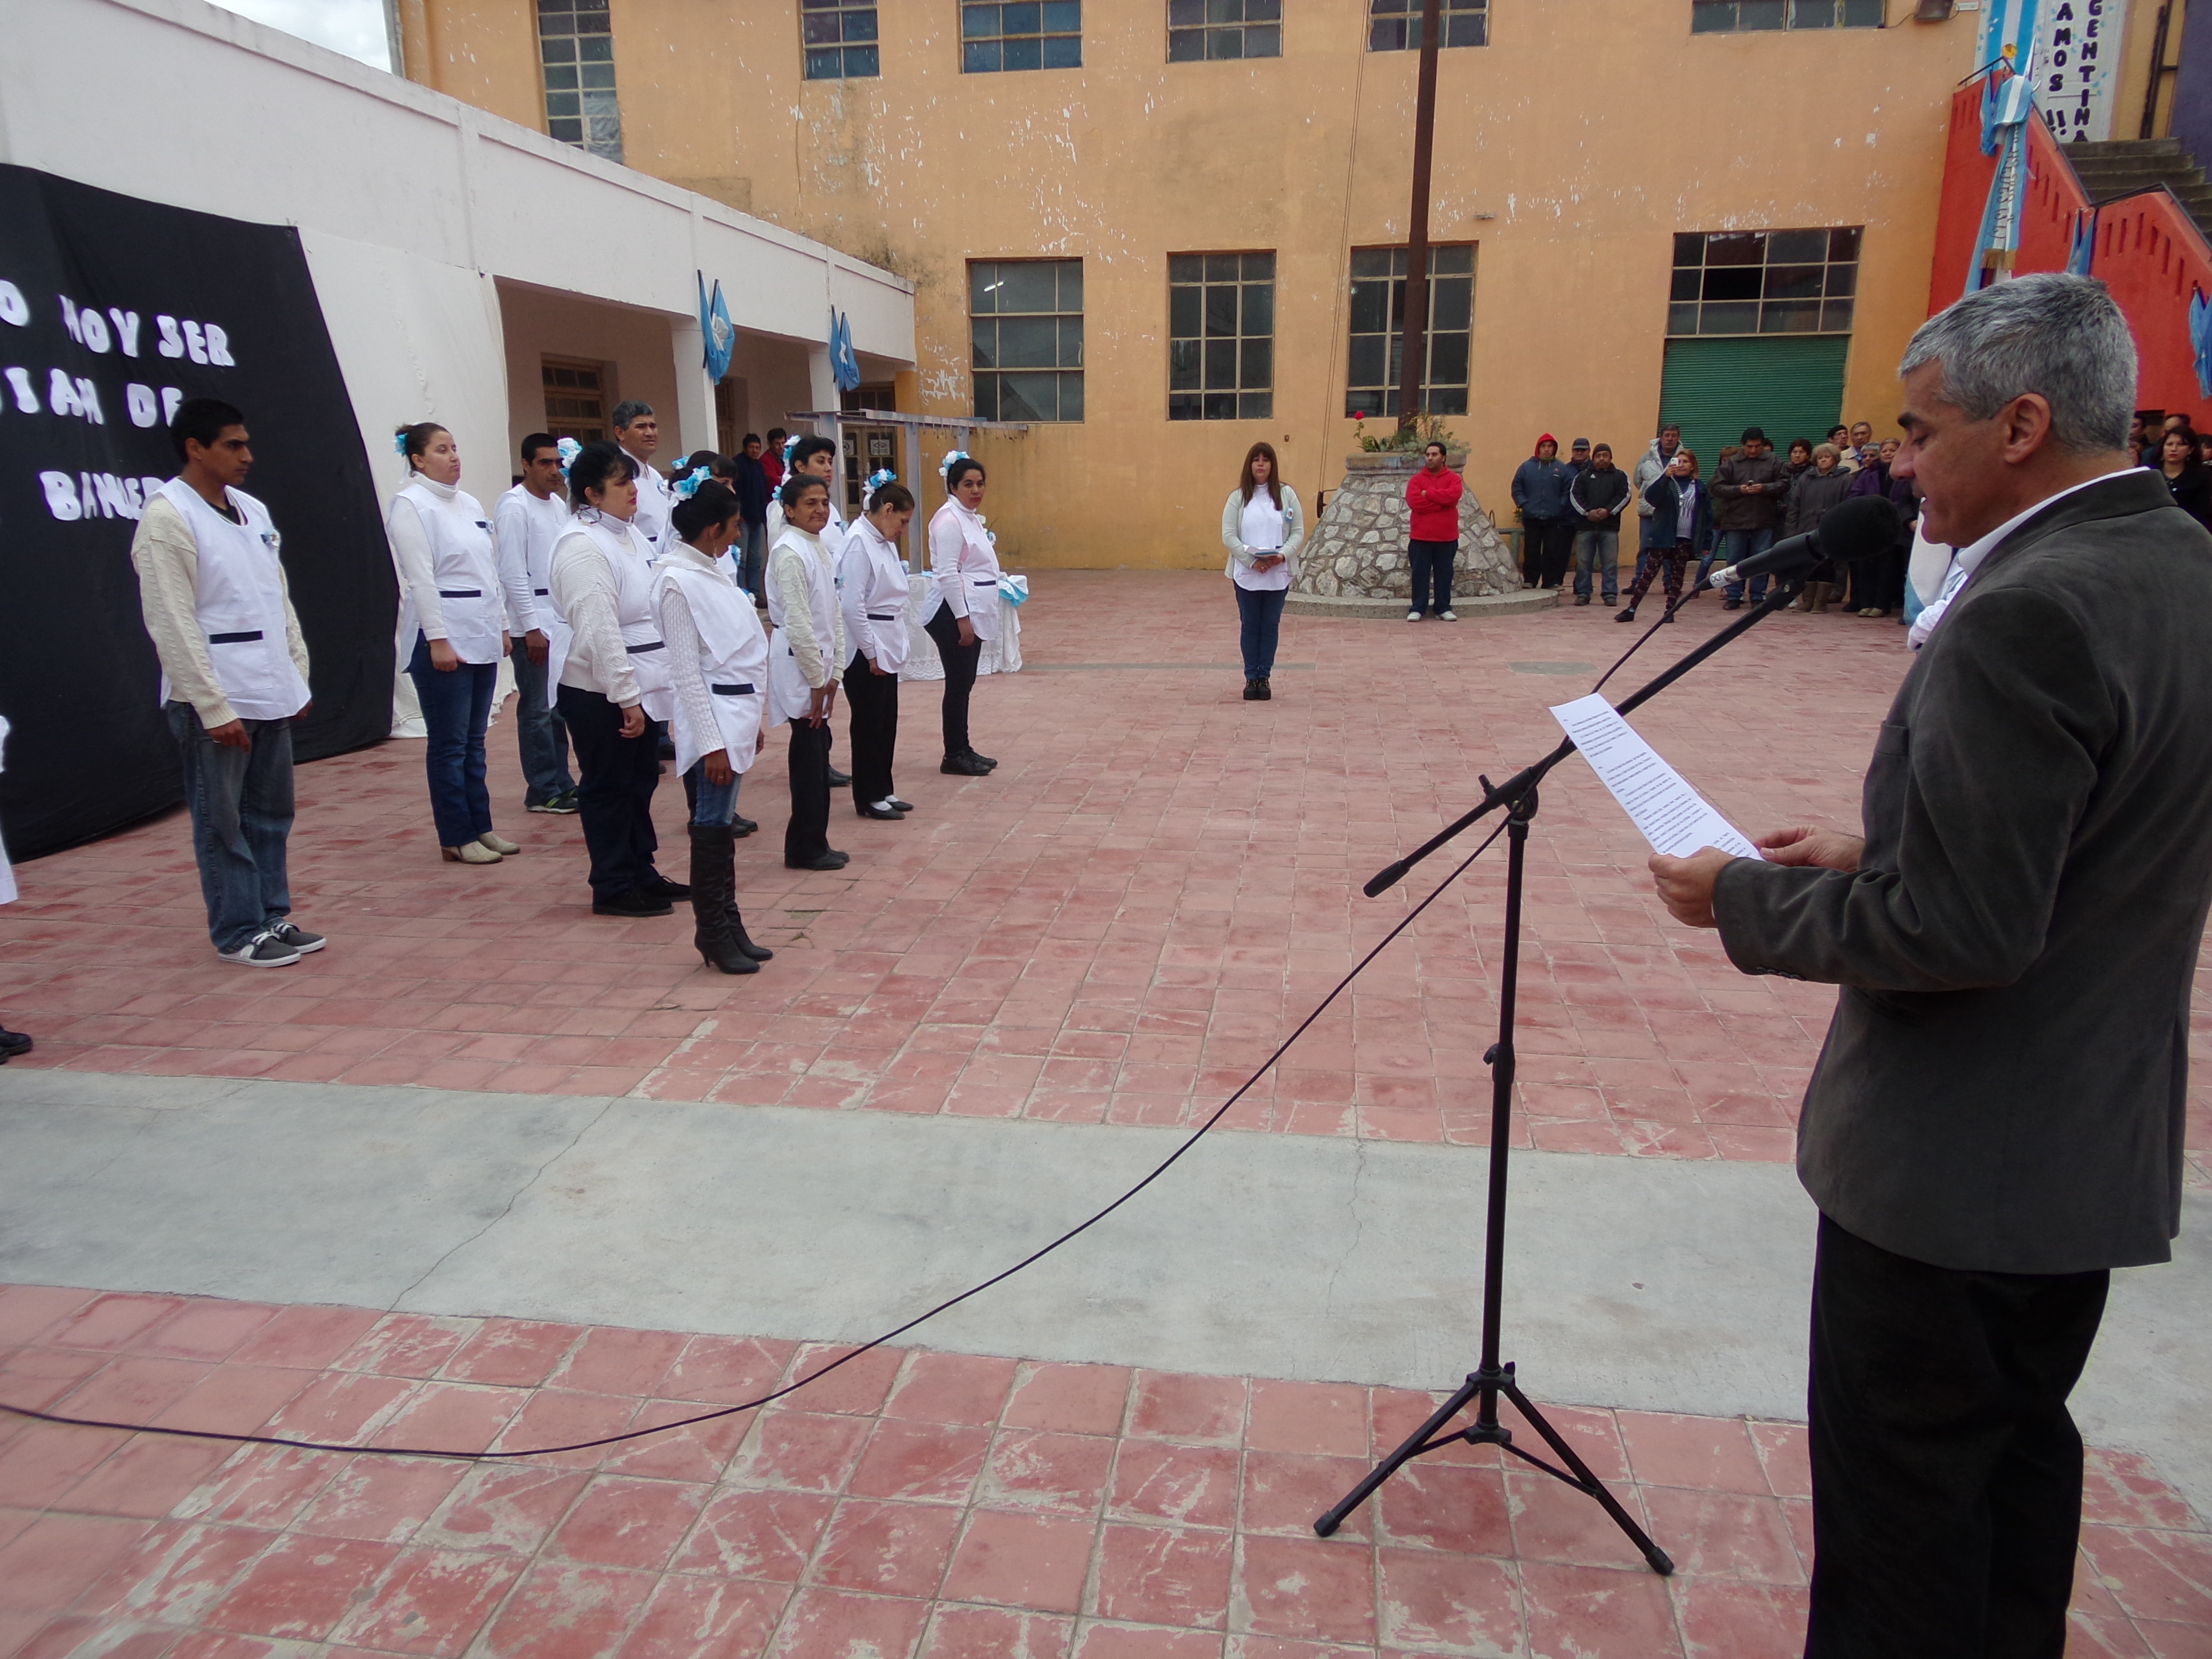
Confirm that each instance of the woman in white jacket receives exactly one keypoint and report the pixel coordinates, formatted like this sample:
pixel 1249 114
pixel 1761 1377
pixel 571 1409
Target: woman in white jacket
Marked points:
pixel 872 592
pixel 718 670
pixel 453 627
pixel 963 562
pixel 1263 526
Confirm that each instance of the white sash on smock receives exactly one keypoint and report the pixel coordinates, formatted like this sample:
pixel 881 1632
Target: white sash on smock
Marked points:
pixel 978 571
pixel 735 666
pixel 465 570
pixel 240 605
pixel 623 549
pixel 789 696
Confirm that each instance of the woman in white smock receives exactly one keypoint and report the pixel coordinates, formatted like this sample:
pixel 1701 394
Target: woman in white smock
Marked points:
pixel 871 590
pixel 718 665
pixel 964 564
pixel 612 667
pixel 802 665
pixel 1263 527
pixel 453 621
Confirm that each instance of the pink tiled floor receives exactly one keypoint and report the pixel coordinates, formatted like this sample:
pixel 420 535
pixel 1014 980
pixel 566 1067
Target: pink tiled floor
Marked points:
pixel 1118 926
pixel 937 1505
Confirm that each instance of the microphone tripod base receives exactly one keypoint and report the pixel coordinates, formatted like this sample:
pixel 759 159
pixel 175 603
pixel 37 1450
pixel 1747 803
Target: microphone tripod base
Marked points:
pixel 1486 1386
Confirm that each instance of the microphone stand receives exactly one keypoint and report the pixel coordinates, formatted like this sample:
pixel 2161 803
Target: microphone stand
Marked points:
pixel 1490 1379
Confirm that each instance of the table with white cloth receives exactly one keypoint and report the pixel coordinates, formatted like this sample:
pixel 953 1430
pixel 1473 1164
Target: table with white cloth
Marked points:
pixel 1000 656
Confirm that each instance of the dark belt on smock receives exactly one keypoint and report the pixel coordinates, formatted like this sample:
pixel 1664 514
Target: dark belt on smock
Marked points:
pixel 640 650
pixel 460 593
pixel 744 691
pixel 882 615
pixel 234 639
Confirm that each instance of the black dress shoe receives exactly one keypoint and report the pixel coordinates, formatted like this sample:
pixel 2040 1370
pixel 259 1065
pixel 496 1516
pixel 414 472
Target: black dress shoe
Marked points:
pixel 636 902
pixel 903 806
pixel 660 886
pixel 868 810
pixel 12 1043
pixel 832 860
pixel 1251 690
pixel 982 759
pixel 1731 605
pixel 963 766
pixel 742 827
pixel 839 779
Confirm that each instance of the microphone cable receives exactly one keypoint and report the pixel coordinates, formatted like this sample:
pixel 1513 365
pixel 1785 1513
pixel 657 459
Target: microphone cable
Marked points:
pixel 894 1333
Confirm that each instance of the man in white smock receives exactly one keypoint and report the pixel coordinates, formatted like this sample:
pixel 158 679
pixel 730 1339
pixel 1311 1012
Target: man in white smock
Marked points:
pixel 234 678
pixel 637 429
pixel 964 563
pixel 526 523
pixel 812 457
pixel 802 665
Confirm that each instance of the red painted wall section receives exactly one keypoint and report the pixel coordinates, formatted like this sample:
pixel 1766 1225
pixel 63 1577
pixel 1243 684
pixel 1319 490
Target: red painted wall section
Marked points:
pixel 2148 252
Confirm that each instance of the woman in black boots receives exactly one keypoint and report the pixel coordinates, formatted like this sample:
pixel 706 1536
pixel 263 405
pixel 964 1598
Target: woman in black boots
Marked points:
pixel 718 660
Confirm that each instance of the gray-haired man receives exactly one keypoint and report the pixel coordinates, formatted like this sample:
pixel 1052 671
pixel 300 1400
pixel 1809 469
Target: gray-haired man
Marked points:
pixel 638 431
pixel 1996 1119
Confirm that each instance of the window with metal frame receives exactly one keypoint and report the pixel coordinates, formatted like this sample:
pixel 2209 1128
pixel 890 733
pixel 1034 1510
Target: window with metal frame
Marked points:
pixel 1764 282
pixel 1025 34
pixel 1395 25
pixel 1025 323
pixel 576 55
pixel 1376 357
pixel 1198 29
pixel 1748 17
pixel 1221 337
pixel 839 39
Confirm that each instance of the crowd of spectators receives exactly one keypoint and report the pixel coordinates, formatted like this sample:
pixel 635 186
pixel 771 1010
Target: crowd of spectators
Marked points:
pixel 1571 513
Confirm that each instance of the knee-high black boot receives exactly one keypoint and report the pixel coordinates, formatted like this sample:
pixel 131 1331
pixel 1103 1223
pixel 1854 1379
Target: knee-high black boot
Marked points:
pixel 757 952
pixel 713 878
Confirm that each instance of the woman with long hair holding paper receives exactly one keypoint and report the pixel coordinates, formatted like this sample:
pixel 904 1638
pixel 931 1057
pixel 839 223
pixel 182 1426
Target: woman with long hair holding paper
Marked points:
pixel 1263 526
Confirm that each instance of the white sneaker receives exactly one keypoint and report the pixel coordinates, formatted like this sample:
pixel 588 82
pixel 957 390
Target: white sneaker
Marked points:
pixel 264 950
pixel 1413 616
pixel 1447 615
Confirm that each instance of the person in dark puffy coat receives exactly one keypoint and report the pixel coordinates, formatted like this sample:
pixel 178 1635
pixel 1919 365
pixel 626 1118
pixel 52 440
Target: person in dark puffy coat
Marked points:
pixel 1547 523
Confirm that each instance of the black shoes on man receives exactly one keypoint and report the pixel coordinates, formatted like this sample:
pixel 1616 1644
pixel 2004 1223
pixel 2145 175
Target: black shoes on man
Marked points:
pixel 1258 690
pixel 969 765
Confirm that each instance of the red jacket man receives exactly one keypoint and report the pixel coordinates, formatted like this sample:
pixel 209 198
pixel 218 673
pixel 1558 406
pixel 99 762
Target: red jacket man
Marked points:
pixel 1433 495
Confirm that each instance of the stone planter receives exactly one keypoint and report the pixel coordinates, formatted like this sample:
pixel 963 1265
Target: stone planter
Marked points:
pixel 1358 551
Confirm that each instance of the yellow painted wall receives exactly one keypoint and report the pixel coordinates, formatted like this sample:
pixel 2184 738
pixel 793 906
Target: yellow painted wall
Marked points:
pixel 1570 150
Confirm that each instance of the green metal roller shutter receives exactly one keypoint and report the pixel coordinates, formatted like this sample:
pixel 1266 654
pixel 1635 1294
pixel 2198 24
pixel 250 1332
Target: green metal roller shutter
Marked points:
pixel 1789 385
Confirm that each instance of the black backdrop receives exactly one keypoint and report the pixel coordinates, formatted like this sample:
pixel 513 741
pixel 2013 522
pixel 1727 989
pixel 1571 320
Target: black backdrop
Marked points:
pixel 222 309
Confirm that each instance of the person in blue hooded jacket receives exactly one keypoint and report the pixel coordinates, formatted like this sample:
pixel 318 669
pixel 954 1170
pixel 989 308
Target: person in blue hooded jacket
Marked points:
pixel 1547 518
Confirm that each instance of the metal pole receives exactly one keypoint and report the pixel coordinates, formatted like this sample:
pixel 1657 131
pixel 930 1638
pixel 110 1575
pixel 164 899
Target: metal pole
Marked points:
pixel 1414 353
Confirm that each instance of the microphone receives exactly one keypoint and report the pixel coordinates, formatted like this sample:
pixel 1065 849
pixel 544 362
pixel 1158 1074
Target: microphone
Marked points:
pixel 1859 528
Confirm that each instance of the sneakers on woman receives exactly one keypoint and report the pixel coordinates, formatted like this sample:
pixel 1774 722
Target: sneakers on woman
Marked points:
pixel 264 950
pixel 1413 616
pixel 1447 615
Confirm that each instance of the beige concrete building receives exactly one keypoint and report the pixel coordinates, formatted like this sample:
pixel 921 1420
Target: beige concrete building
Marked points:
pixel 1158 230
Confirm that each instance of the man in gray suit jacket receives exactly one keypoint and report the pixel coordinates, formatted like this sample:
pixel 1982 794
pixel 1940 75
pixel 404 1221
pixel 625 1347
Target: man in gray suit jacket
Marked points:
pixel 1997 1118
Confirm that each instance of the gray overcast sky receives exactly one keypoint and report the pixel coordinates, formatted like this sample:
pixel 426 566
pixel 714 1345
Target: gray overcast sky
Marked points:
pixel 355 28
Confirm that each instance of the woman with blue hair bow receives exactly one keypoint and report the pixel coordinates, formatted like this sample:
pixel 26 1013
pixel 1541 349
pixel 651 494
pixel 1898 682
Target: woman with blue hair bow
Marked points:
pixel 963 561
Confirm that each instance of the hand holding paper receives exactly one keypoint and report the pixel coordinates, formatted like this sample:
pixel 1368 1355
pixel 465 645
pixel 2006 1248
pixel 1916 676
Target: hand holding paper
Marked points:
pixel 1673 817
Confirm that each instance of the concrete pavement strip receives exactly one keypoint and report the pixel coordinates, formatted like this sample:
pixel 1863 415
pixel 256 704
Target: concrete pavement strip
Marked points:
pixel 1654 1284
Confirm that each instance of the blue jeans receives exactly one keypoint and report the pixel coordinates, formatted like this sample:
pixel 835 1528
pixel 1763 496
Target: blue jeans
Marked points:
pixel 455 706
pixel 1599 550
pixel 240 801
pixel 1736 546
pixel 751 553
pixel 1260 611
pixel 713 804
pixel 540 734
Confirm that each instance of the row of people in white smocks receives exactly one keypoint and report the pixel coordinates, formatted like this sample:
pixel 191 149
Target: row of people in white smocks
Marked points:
pixel 574 590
